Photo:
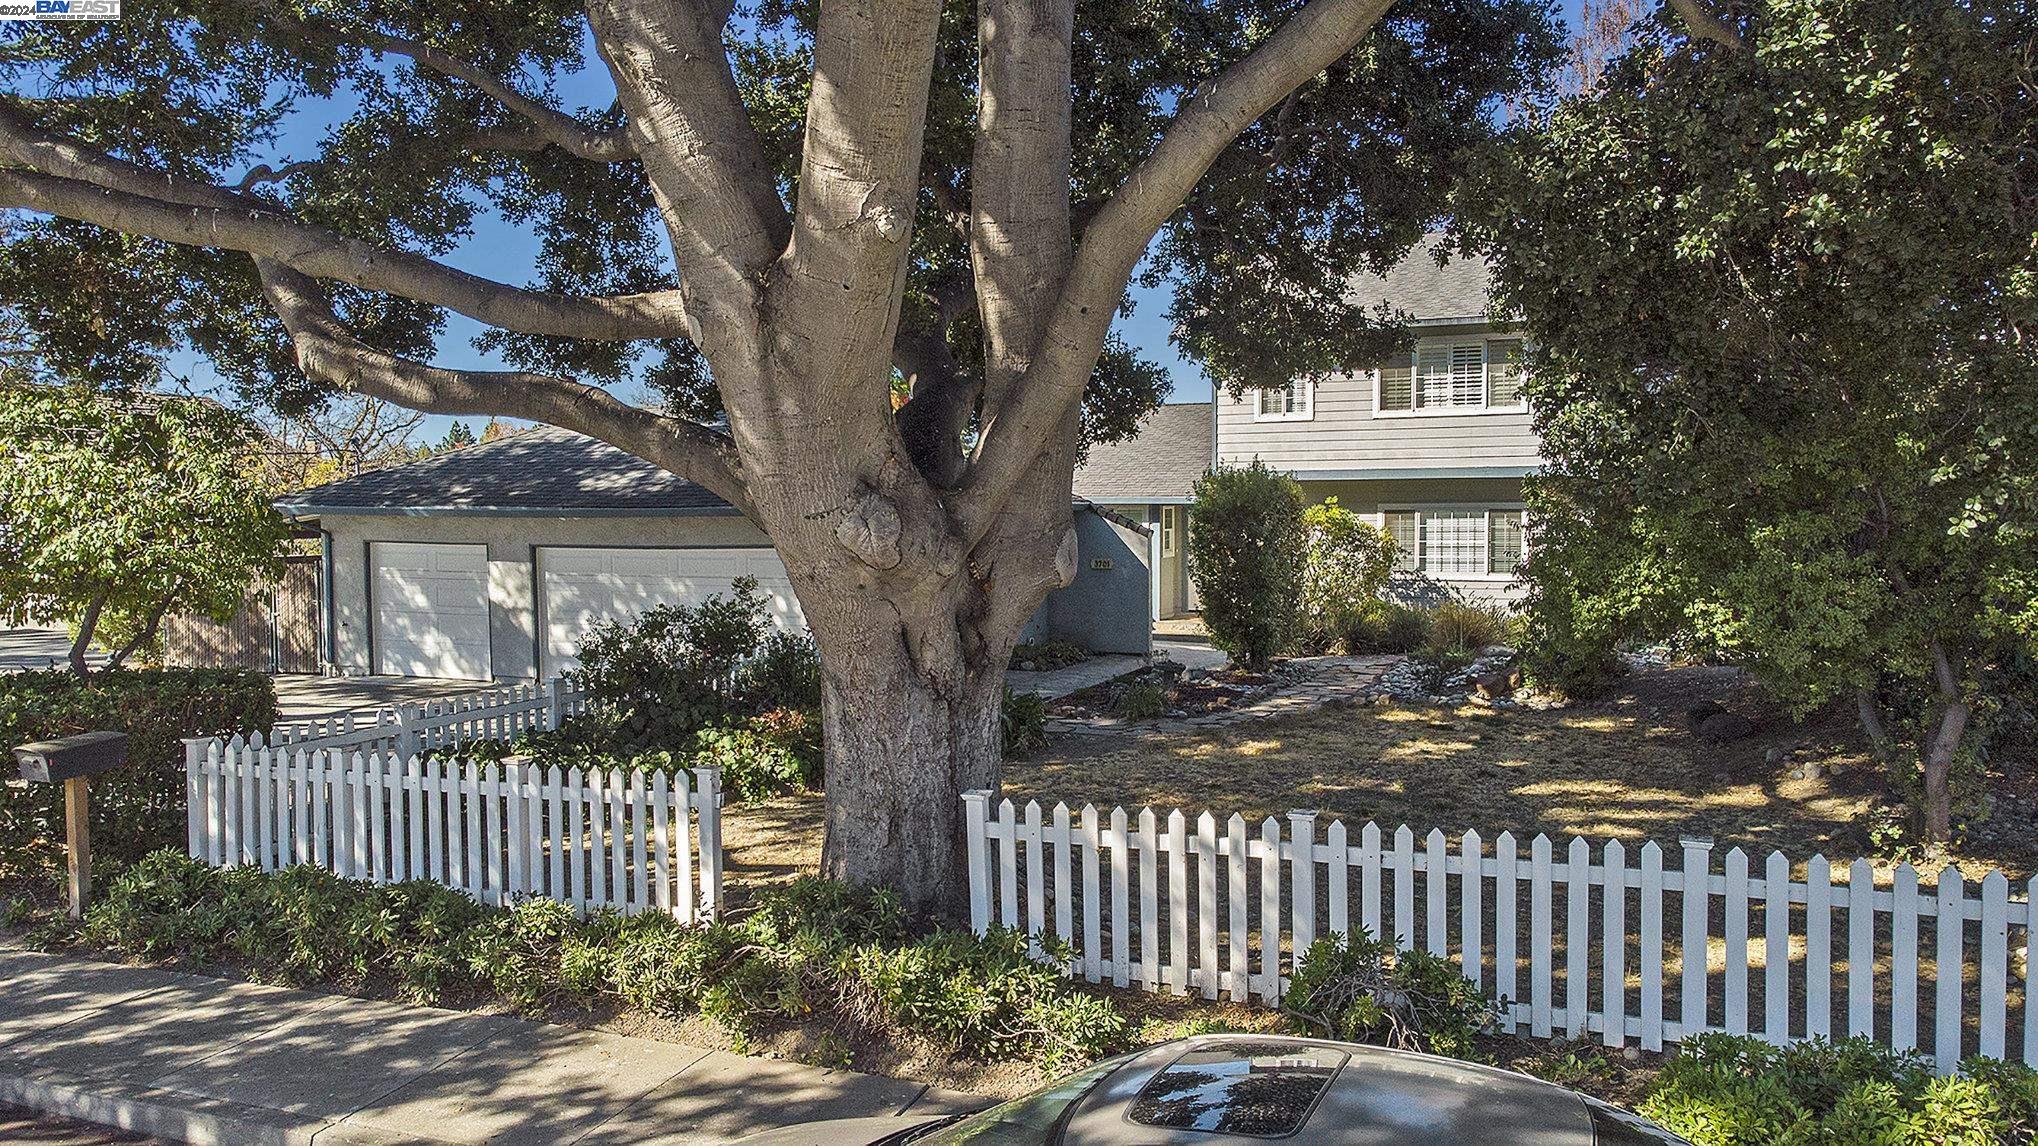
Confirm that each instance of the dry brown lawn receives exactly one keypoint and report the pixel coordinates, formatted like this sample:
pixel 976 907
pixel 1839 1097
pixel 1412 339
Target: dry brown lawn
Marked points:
pixel 1624 767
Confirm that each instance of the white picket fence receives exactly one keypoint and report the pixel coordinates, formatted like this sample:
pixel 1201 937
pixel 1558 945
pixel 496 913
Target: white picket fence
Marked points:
pixel 1198 905
pixel 406 729
pixel 635 842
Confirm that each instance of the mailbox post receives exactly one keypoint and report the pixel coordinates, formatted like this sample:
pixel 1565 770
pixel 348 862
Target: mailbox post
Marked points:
pixel 73 760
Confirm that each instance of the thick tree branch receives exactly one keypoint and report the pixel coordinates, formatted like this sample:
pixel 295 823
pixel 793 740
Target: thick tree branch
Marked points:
pixel 1020 242
pixel 328 352
pixel 702 155
pixel 1016 432
pixel 556 126
pixel 1707 25
pixel 260 230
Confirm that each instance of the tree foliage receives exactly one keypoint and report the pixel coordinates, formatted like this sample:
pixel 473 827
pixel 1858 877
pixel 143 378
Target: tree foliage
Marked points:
pixel 1343 177
pixel 1781 283
pixel 1247 548
pixel 118 511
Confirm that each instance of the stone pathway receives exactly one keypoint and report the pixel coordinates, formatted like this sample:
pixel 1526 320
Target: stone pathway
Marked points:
pixel 1326 680
pixel 1059 682
pixel 194 1059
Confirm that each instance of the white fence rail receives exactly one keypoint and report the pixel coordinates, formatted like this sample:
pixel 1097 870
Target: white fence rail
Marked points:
pixel 635 842
pixel 406 729
pixel 1587 940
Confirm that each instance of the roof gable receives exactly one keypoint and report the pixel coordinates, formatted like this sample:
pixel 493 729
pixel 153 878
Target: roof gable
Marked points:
pixel 1160 463
pixel 540 471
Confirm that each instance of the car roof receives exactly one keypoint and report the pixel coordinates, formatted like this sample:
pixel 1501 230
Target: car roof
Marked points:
pixel 1371 1095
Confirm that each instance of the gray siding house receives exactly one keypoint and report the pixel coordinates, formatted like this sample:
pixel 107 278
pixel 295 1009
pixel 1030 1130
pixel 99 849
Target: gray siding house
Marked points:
pixel 493 561
pixel 1431 445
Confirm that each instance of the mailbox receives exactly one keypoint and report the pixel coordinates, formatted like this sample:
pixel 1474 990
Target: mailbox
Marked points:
pixel 73 760
pixel 86 754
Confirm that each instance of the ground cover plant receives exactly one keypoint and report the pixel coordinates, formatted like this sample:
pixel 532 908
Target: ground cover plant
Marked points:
pixel 1728 1090
pixel 1360 989
pixel 812 949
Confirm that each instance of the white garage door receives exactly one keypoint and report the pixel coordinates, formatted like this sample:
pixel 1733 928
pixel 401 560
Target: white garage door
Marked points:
pixel 580 587
pixel 431 609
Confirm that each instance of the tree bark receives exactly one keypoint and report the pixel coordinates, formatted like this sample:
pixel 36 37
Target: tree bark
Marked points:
pixel 898 750
pixel 148 633
pixel 1954 714
pixel 87 626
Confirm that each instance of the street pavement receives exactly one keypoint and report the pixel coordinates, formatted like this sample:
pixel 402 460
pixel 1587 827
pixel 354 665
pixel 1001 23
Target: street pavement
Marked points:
pixel 188 1058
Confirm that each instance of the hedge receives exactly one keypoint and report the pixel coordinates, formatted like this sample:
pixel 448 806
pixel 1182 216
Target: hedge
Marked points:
pixel 139 807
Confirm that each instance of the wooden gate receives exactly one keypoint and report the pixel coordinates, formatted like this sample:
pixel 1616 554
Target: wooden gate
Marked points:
pixel 274 631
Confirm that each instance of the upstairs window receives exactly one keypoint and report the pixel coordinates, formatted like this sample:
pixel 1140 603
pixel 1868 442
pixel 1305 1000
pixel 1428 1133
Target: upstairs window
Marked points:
pixel 1455 543
pixel 1290 403
pixel 1464 376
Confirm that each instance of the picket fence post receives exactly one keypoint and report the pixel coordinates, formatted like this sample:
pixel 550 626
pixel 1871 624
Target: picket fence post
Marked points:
pixel 708 792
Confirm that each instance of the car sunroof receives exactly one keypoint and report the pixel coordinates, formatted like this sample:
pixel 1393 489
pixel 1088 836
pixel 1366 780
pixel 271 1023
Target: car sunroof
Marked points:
pixel 1260 1089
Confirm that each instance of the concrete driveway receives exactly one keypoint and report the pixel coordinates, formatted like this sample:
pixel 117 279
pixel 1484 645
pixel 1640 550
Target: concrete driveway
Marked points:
pixel 303 697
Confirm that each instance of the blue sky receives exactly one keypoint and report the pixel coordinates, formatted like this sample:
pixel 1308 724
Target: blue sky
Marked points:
pixel 506 253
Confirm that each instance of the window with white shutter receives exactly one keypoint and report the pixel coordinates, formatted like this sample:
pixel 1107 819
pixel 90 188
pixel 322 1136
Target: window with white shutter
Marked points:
pixel 1452 376
pixel 1283 403
pixel 1454 543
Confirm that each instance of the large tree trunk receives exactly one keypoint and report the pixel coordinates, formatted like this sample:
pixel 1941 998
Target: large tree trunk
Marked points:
pixel 898 752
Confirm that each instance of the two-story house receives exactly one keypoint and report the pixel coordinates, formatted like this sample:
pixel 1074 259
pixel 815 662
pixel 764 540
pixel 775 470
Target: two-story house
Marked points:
pixel 1430 445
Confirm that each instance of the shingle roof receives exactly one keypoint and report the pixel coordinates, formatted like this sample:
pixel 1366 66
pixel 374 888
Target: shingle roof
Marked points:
pixel 545 470
pixel 1429 292
pixel 1160 463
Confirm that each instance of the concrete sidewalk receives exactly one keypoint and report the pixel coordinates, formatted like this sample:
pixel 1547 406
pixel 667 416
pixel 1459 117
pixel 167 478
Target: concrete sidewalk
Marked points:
pixel 185 1057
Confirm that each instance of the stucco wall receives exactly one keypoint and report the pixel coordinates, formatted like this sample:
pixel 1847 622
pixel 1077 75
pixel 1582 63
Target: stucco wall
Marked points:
pixel 512 593
pixel 1105 610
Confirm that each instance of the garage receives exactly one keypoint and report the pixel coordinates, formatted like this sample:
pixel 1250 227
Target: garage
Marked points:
pixel 430 603
pixel 580 587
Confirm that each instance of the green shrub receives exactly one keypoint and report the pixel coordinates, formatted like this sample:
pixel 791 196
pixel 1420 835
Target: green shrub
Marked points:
pixel 1022 723
pixel 1362 990
pixel 140 806
pixel 813 947
pixel 1387 628
pixel 677 669
pixel 1246 554
pixel 1142 701
pixel 1730 1090
pixel 785 674
pixel 1347 562
pixel 763 756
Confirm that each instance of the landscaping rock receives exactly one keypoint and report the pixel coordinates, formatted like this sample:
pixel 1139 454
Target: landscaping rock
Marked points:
pixel 1721 727
pixel 1497 684
pixel 1698 713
